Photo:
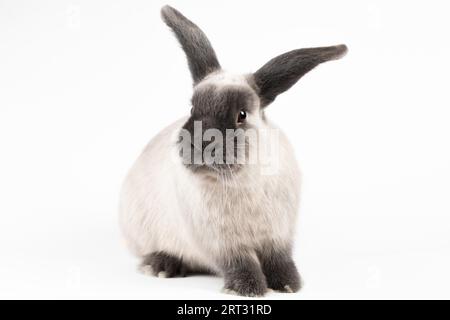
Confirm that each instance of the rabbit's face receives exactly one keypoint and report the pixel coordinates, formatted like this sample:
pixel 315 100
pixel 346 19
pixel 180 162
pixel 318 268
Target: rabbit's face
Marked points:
pixel 224 107
pixel 224 101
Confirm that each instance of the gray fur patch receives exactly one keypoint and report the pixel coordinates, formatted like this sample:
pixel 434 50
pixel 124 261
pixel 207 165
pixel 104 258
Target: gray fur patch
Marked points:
pixel 162 263
pixel 244 277
pixel 218 108
pixel 283 71
pixel 221 104
pixel 202 59
pixel 165 265
pixel 279 269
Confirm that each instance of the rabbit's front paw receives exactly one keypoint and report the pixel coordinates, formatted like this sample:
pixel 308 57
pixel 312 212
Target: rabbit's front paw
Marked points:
pixel 244 277
pixel 288 282
pixel 280 271
pixel 246 288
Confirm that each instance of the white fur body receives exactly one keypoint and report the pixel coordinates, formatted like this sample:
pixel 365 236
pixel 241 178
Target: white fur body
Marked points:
pixel 166 207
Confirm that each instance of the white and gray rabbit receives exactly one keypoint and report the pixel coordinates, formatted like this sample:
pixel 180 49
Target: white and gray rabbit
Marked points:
pixel 228 218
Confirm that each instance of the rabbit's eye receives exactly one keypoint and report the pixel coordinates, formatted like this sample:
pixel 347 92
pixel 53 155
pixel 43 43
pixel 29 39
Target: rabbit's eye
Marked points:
pixel 242 116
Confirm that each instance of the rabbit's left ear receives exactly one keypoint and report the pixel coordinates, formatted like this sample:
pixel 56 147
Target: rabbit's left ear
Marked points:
pixel 202 59
pixel 282 72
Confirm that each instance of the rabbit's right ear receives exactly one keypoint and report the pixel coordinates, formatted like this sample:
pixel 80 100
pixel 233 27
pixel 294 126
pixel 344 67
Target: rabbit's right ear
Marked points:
pixel 202 59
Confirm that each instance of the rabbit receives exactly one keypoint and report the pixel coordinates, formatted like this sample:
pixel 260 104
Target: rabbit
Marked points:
pixel 229 219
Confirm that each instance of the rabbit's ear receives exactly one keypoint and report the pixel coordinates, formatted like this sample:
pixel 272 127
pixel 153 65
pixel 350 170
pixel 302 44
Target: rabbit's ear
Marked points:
pixel 201 57
pixel 282 72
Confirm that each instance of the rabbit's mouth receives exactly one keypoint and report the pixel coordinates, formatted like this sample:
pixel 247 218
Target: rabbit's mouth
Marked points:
pixel 216 170
pixel 215 163
pixel 220 157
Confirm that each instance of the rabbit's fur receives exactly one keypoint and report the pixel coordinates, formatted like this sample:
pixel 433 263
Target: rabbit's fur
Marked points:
pixel 237 221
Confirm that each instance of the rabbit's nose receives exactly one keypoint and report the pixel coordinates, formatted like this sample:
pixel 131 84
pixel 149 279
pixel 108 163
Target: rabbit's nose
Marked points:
pixel 212 146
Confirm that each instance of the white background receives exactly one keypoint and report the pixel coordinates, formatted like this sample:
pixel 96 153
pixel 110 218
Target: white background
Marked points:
pixel 85 84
